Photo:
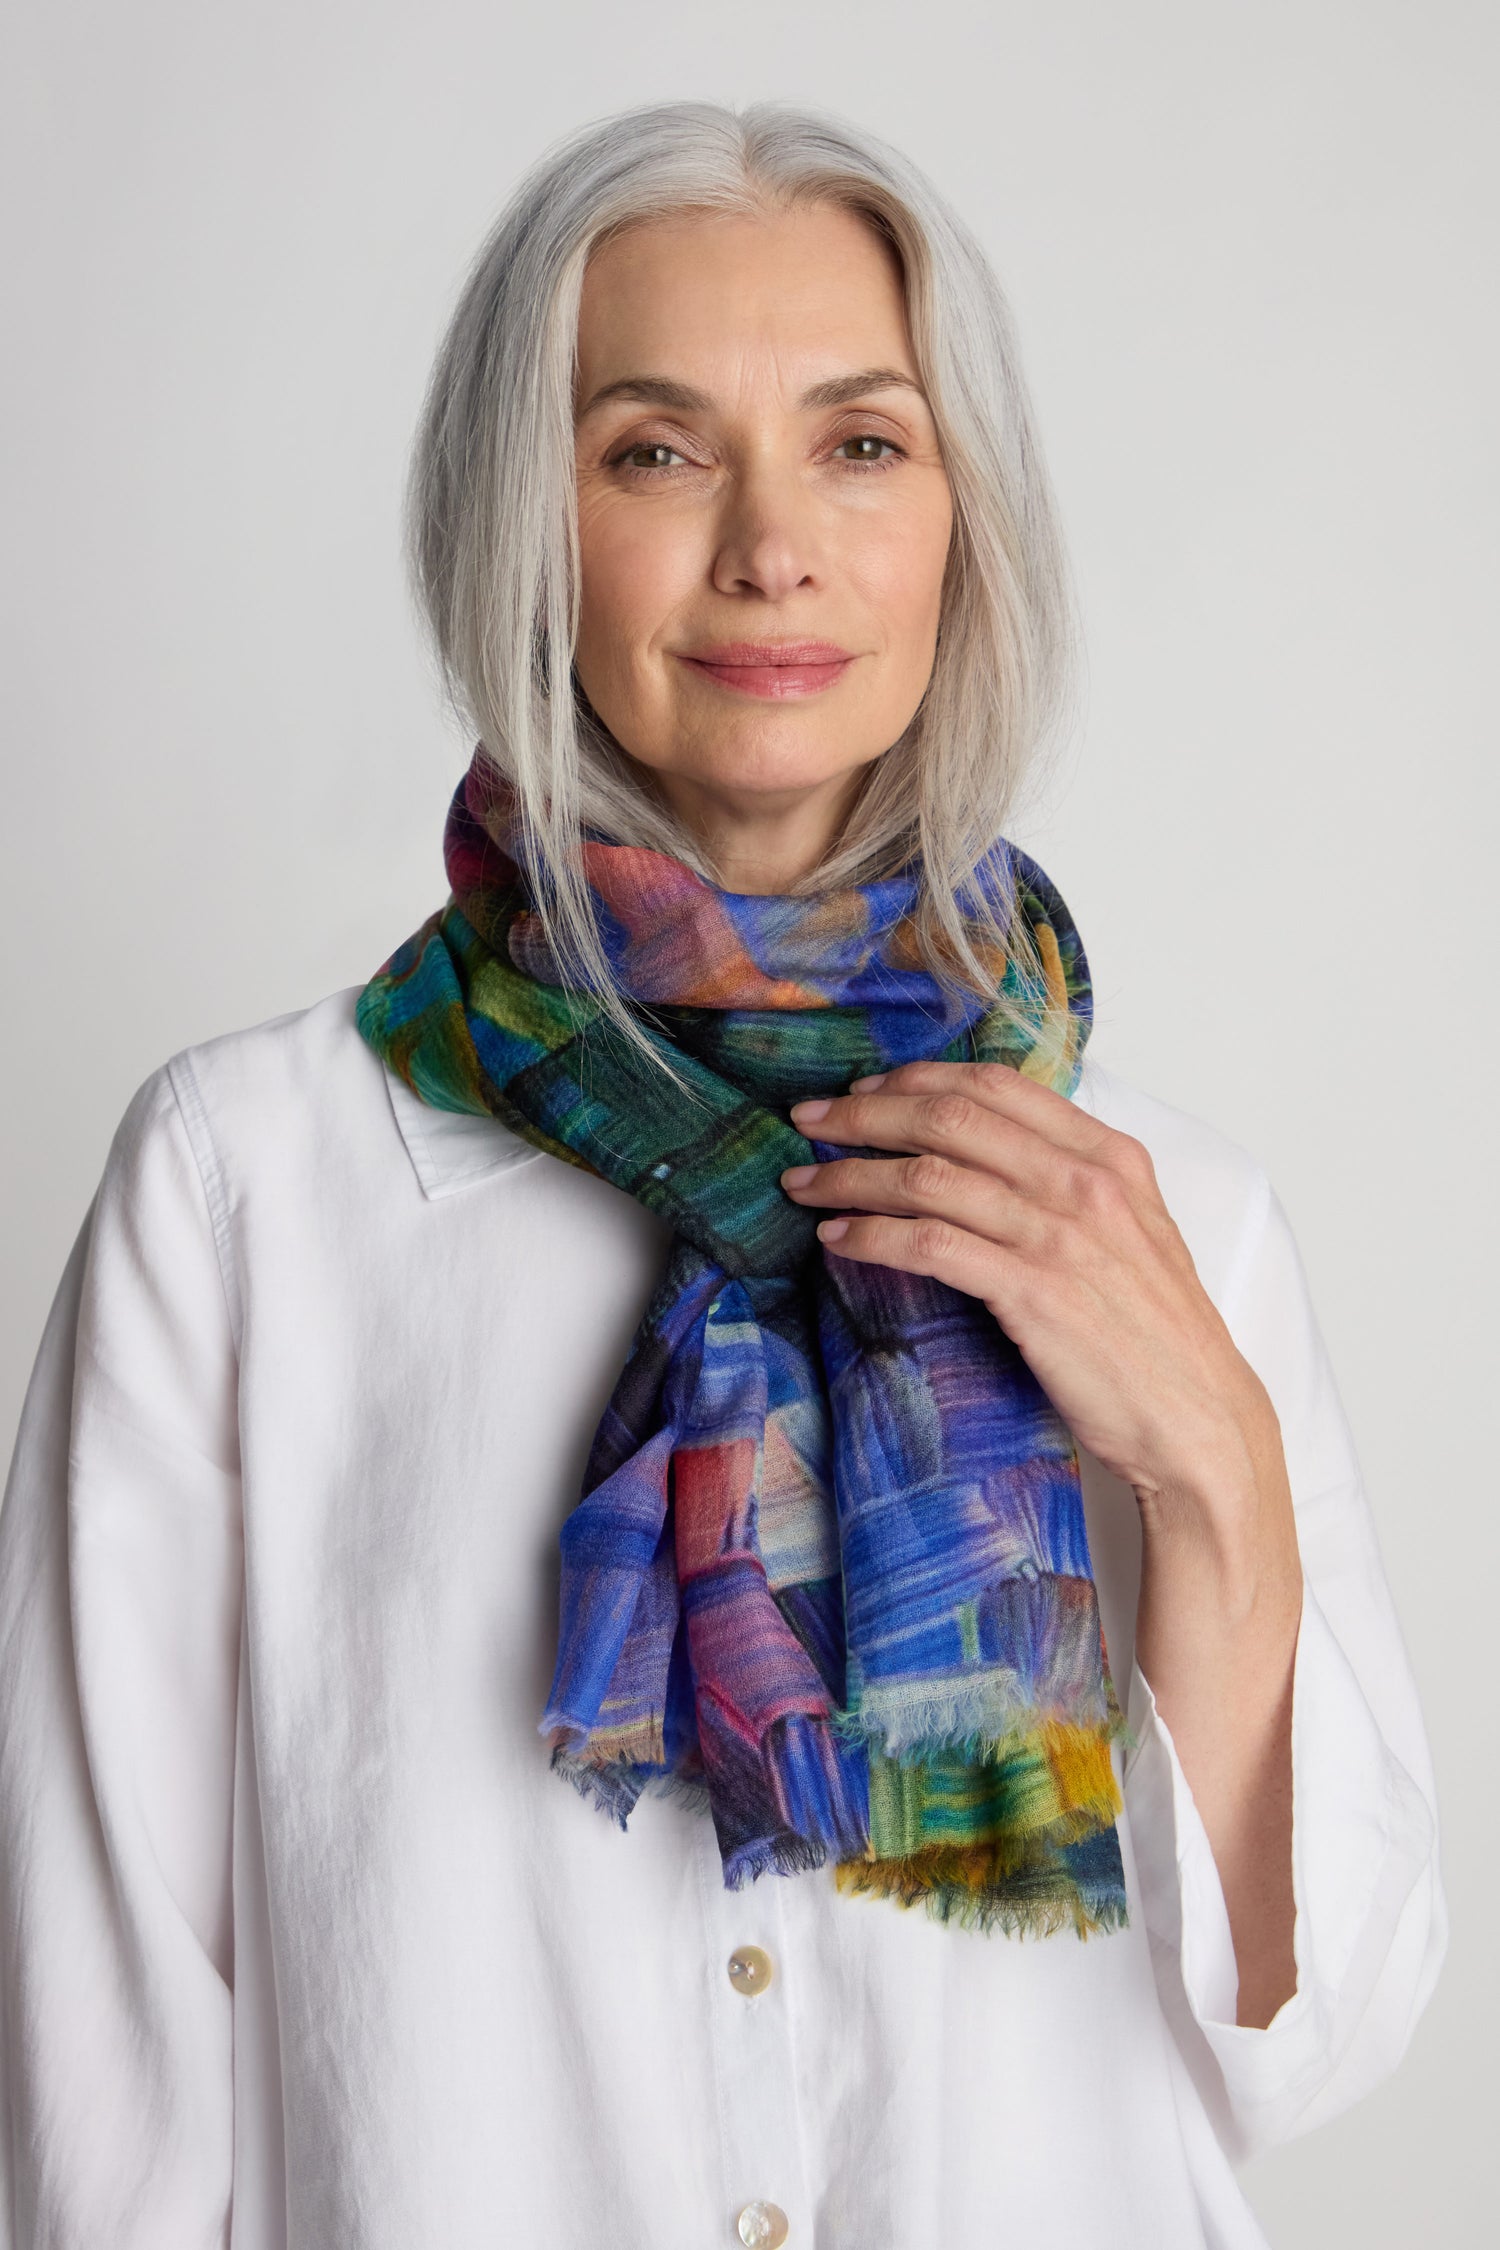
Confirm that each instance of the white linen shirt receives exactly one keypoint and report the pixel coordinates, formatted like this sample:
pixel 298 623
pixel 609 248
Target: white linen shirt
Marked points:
pixel 303 1944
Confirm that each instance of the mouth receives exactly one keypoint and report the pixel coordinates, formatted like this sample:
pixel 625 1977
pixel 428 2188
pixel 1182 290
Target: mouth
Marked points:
pixel 780 670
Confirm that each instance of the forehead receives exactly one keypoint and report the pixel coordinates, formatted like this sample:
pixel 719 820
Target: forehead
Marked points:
pixel 712 295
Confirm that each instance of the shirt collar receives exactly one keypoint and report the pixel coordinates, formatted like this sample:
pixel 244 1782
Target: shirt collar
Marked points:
pixel 448 1148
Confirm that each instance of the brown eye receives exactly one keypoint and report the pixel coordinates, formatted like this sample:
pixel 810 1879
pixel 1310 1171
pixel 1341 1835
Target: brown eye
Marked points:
pixel 868 448
pixel 647 457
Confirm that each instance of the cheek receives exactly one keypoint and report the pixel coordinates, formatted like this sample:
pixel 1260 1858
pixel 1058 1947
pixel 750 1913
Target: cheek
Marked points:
pixel 634 567
pixel 898 562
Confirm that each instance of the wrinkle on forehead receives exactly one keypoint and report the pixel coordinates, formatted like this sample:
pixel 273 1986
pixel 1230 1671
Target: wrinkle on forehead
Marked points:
pixel 704 300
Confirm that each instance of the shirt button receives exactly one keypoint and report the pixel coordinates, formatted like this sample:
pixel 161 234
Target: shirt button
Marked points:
pixel 762 2226
pixel 750 1972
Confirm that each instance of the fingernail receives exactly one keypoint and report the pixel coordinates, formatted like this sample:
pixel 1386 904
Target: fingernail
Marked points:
pixel 862 1085
pixel 798 1175
pixel 811 1110
pixel 831 1229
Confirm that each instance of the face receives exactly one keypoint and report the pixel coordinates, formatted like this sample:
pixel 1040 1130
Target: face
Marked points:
pixel 763 514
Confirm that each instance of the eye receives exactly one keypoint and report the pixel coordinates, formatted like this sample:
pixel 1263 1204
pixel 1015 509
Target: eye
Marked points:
pixel 654 454
pixel 867 448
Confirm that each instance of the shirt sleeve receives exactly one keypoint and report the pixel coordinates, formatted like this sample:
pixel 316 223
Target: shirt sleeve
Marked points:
pixel 120 1590
pixel 1371 1925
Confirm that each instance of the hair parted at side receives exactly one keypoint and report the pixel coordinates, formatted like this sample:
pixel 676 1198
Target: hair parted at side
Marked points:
pixel 493 539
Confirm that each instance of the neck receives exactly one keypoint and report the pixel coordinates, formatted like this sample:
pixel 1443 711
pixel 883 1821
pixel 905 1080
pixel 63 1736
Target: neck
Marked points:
pixel 762 842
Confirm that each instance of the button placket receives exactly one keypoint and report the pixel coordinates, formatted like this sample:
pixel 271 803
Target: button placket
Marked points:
pixel 767 2202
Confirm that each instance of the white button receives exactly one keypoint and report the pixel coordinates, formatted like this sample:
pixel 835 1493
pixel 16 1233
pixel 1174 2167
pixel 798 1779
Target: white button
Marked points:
pixel 762 2226
pixel 749 1969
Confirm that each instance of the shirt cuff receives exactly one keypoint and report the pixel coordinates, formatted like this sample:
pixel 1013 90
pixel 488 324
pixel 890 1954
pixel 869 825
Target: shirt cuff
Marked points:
pixel 1361 1834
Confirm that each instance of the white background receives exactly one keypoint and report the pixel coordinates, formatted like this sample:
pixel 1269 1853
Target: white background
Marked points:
pixel 1252 254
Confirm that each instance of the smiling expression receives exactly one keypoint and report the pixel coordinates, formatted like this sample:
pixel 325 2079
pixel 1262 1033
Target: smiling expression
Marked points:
pixel 764 515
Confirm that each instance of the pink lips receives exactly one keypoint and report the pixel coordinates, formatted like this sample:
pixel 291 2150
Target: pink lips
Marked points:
pixel 772 668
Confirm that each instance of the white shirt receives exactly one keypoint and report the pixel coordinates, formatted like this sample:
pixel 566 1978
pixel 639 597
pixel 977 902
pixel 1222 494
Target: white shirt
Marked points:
pixel 302 1942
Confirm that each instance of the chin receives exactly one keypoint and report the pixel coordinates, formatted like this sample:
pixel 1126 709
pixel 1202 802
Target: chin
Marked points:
pixel 769 772
pixel 778 751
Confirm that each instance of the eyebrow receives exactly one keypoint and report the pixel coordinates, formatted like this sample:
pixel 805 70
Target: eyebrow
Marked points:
pixel 660 390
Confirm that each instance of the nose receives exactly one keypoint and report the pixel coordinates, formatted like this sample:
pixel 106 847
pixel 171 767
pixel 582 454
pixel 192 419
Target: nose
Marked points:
pixel 768 542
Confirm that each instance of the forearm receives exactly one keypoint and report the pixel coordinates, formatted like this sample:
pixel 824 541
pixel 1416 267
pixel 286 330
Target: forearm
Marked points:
pixel 1216 1638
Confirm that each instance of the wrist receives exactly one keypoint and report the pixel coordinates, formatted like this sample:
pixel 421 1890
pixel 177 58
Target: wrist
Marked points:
pixel 1222 1511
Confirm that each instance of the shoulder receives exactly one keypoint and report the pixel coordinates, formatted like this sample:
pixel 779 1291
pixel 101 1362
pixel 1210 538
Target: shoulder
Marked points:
pixel 301 1101
pixel 1216 1190
pixel 312 1049
pixel 265 1111
pixel 255 1078
pixel 261 1099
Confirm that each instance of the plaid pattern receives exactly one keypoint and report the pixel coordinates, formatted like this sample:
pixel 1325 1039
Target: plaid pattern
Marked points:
pixel 829 1574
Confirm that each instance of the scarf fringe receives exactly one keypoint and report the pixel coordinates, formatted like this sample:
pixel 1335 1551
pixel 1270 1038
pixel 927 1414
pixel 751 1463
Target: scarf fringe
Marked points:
pixel 972 1724
pixel 930 1883
pixel 616 1785
pixel 782 1854
pixel 949 1877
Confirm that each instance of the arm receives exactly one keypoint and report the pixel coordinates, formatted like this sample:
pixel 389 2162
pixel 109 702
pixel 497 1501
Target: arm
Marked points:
pixel 1216 1635
pixel 1296 1721
pixel 1371 1927
pixel 119 1637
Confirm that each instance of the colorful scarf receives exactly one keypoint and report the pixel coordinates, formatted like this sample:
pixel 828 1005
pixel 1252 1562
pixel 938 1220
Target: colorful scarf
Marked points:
pixel 829 1575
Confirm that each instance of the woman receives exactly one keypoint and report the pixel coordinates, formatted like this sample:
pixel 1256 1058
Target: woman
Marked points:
pixel 962 1551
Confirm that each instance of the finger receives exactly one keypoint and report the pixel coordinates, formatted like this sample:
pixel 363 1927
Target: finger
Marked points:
pixel 930 1246
pixel 921 1185
pixel 988 1115
pixel 1003 1089
pixel 948 1122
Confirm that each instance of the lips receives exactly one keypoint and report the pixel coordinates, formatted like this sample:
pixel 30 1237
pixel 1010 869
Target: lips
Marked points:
pixel 776 669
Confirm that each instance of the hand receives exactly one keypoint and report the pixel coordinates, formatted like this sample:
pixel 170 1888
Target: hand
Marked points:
pixel 1009 1192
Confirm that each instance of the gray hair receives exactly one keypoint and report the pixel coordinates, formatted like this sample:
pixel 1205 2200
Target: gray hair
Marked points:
pixel 493 538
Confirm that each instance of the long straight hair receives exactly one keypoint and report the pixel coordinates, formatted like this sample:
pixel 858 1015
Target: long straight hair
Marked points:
pixel 493 539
